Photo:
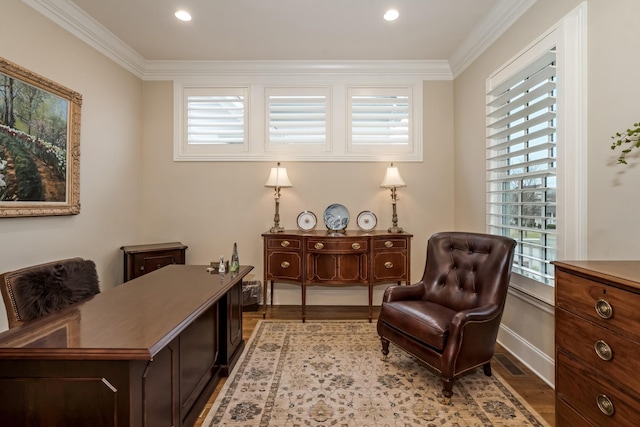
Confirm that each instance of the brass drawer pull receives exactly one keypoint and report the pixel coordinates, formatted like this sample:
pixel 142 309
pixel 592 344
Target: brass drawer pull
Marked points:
pixel 319 245
pixel 388 244
pixel 603 350
pixel 604 309
pixel 388 264
pixel 355 246
pixel 285 264
pixel 285 243
pixel 605 405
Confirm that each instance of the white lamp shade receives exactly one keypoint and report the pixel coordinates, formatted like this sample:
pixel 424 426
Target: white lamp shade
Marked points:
pixel 278 178
pixel 392 178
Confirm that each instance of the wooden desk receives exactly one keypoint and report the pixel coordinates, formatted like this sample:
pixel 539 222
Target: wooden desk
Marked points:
pixel 335 259
pixel 146 353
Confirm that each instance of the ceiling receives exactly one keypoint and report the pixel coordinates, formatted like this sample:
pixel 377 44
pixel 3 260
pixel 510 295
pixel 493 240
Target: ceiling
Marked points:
pixel 292 30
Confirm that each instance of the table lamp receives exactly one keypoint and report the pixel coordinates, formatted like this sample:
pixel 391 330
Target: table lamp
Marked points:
pixel 277 179
pixel 393 180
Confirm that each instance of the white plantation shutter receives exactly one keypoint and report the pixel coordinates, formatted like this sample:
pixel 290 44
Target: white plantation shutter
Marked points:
pixel 216 117
pixel 297 116
pixel 521 165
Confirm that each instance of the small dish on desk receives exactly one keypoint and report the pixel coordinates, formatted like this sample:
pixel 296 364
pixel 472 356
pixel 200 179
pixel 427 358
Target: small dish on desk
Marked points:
pixel 307 221
pixel 336 217
pixel 366 221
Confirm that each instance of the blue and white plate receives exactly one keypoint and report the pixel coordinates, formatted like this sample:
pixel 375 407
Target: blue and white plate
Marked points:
pixel 336 217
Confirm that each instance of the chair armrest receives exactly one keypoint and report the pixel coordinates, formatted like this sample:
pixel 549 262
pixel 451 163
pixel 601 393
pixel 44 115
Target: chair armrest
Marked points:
pixel 403 293
pixel 477 314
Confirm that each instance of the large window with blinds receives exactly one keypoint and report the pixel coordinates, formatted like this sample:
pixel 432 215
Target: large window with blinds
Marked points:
pixel 521 165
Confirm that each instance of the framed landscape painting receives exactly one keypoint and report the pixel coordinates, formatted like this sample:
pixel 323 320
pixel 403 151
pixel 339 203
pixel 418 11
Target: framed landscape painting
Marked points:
pixel 39 145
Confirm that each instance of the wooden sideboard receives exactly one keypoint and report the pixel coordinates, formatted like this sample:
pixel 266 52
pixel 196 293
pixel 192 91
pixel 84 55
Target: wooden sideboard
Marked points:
pixel 335 259
pixel 143 259
pixel 146 353
pixel 597 333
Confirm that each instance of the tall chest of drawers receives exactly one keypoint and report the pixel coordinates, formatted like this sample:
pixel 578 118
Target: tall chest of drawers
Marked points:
pixel 597 335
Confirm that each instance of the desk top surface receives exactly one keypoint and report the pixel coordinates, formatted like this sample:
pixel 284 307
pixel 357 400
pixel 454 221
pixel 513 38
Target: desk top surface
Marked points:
pixel 134 320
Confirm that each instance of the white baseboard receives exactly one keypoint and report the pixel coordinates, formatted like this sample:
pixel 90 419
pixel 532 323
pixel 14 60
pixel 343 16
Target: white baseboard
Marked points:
pixel 534 359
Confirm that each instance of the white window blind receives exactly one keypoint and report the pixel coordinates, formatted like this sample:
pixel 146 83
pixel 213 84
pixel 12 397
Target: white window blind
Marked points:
pixel 297 117
pixel 380 118
pixel 216 117
pixel 521 165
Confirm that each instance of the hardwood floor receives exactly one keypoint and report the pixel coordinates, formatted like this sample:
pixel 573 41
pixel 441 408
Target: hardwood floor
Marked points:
pixel 535 391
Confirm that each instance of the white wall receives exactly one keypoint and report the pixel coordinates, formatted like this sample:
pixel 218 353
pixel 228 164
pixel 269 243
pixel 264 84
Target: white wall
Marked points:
pixel 210 205
pixel 110 178
pixel 613 205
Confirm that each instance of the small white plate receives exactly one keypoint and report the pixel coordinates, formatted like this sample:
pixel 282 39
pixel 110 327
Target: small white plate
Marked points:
pixel 367 221
pixel 307 220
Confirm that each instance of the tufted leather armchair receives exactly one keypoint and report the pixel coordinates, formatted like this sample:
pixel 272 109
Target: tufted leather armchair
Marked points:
pixel 450 318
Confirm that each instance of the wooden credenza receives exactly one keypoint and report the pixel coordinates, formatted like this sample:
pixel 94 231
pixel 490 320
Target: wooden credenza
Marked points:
pixel 597 333
pixel 143 259
pixel 146 353
pixel 335 259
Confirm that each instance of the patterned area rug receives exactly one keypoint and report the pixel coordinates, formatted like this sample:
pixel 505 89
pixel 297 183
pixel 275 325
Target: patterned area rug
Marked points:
pixel 330 373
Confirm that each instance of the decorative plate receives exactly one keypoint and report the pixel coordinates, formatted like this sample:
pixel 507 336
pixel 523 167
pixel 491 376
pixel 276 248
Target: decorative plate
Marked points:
pixel 307 221
pixel 366 221
pixel 336 217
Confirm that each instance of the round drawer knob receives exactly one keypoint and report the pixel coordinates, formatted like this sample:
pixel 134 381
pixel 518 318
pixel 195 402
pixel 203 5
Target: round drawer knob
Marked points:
pixel 318 245
pixel 388 244
pixel 285 243
pixel 285 264
pixel 355 246
pixel 388 264
pixel 603 350
pixel 604 309
pixel 605 405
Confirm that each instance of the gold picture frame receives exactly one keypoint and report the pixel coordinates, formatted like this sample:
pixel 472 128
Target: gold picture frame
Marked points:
pixel 39 145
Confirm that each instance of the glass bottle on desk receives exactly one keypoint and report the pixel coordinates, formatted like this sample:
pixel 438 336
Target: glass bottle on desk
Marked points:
pixel 235 262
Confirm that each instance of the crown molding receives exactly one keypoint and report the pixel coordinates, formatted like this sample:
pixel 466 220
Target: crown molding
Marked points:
pixel 504 14
pixel 73 19
pixel 427 70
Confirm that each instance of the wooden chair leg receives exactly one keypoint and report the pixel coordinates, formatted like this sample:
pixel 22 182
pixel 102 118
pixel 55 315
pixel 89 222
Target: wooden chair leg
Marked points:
pixel 487 369
pixel 385 348
pixel 447 391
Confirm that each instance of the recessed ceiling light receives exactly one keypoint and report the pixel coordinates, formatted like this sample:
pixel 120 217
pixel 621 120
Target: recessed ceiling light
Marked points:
pixel 183 15
pixel 391 15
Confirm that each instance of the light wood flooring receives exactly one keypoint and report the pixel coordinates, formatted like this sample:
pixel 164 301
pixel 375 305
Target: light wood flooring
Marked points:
pixel 535 391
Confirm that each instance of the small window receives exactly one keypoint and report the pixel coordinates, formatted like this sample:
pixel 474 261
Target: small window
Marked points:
pixel 297 119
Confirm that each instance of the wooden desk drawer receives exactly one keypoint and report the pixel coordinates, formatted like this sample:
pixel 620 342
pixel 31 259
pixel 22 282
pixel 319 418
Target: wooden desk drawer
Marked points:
pixel 580 296
pixel 581 387
pixel 389 244
pixel 284 266
pixel 340 245
pixel 579 337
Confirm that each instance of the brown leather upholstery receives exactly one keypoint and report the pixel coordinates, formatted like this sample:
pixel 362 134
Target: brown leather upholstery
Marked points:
pixel 450 318
pixel 34 291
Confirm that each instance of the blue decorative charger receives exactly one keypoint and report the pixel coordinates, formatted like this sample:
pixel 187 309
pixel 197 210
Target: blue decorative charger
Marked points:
pixel 336 217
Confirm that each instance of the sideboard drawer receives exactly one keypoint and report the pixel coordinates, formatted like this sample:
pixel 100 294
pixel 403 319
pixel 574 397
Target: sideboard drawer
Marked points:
pixel 600 349
pixel 582 388
pixel 338 245
pixel 585 297
pixel 390 244
pixel 284 243
pixel 284 266
pixel 389 266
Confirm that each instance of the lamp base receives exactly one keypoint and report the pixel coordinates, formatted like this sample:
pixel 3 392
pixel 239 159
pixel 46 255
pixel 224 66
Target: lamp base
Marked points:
pixel 276 229
pixel 395 229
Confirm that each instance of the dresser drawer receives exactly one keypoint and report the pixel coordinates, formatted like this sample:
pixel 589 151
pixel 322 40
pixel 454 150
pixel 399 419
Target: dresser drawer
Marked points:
pixel 580 338
pixel 389 244
pixel 338 245
pixel 581 388
pixel 284 243
pixel 581 296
